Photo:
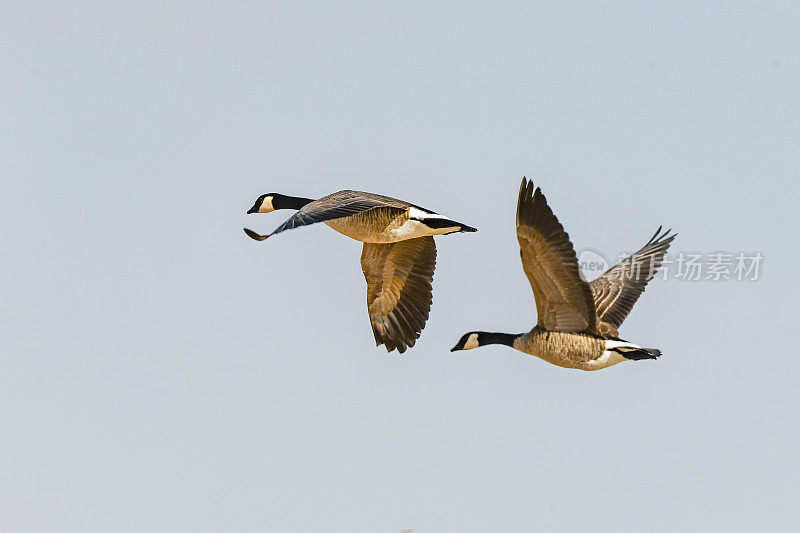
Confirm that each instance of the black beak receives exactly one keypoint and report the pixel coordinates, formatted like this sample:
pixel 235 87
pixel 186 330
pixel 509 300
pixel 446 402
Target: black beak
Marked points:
pixel 252 210
pixel 454 348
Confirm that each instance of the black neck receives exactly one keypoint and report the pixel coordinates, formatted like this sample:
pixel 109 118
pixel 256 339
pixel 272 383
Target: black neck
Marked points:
pixel 281 201
pixel 496 338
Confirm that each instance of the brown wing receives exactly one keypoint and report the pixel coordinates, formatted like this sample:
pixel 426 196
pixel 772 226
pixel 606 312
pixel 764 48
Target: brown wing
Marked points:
pixel 563 300
pixel 617 290
pixel 399 292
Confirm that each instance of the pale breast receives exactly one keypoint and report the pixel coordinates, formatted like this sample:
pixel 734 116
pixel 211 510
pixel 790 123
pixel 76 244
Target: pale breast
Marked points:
pixel 378 226
pixel 569 350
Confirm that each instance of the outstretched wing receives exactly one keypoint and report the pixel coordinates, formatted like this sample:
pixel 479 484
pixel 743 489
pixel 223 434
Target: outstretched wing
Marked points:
pixel 617 290
pixel 337 205
pixel 563 300
pixel 399 292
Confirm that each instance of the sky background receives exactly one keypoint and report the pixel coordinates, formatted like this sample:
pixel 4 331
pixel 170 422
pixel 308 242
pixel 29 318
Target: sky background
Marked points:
pixel 159 371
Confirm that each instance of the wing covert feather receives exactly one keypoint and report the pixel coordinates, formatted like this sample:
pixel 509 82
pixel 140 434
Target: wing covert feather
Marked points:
pixel 399 290
pixel 563 300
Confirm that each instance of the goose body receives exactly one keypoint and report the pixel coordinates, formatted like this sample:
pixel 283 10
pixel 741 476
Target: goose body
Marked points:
pixel 577 321
pixel 577 350
pixel 383 226
pixel 398 257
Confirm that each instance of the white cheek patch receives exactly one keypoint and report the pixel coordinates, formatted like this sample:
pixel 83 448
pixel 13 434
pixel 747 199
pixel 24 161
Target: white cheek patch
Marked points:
pixel 266 205
pixel 472 342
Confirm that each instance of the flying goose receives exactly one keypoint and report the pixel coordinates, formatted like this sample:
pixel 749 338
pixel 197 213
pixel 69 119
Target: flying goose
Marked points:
pixel 398 258
pixel 578 321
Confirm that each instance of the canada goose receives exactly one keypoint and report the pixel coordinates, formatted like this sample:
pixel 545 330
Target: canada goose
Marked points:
pixel 398 258
pixel 578 321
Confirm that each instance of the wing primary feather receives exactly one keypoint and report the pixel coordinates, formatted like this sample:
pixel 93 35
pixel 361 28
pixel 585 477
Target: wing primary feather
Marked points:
pixel 618 289
pixel 399 291
pixel 563 300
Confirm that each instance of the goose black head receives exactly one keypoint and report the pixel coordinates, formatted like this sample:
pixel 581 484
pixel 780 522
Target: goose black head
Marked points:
pixel 468 341
pixel 267 203
pixel 476 339
pixel 264 204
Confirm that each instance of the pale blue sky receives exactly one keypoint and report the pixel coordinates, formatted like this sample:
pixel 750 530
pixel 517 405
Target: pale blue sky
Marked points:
pixel 159 371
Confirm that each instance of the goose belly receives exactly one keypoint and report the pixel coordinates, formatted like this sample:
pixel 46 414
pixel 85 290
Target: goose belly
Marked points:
pixel 378 228
pixel 362 231
pixel 568 350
